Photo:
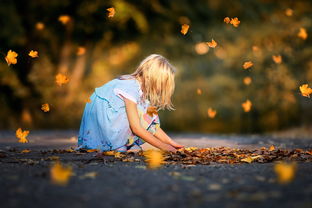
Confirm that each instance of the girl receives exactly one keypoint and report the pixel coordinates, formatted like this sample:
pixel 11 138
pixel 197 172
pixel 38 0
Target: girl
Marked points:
pixel 122 114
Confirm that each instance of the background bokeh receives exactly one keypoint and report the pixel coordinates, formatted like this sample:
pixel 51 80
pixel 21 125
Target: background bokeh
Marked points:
pixel 206 77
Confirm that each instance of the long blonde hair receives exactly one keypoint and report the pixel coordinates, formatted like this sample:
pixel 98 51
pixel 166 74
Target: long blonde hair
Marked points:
pixel 157 81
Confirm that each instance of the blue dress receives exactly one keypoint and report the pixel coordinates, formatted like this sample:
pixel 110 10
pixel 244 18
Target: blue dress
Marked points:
pixel 105 126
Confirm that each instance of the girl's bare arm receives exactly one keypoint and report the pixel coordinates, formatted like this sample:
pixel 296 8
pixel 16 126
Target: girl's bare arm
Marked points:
pixel 137 129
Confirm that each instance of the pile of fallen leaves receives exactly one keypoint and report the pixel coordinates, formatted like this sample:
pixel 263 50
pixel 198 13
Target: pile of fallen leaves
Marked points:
pixel 205 156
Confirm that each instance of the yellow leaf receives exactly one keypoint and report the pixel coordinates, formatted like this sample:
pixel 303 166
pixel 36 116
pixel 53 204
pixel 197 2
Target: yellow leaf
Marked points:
pixel 21 135
pixel 60 175
pixel 250 159
pixel 45 107
pixel 61 79
pixel 154 158
pixel 247 105
pixel 64 19
pixel 26 151
pixel 277 59
pixel 81 51
pixel 247 64
pixel 11 57
pixel 302 33
pixel 271 148
pixel 88 100
pixel 305 90
pixel 235 22
pixel 151 110
pixel 212 44
pixel 111 12
pixel 247 80
pixel 184 28
pixel 227 20
pixel 211 113
pixel 285 172
pixel 40 26
pixel 190 149
pixel 33 54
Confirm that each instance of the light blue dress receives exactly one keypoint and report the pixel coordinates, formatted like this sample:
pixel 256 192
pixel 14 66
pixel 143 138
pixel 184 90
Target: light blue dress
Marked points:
pixel 105 126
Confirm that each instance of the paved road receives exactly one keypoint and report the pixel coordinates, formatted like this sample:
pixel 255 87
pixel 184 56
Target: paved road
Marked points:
pixel 26 183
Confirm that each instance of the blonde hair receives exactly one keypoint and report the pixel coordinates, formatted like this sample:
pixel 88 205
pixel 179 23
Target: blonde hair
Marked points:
pixel 157 81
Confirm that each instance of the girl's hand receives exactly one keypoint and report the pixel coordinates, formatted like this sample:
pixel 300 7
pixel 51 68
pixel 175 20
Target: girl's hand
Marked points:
pixel 170 149
pixel 176 145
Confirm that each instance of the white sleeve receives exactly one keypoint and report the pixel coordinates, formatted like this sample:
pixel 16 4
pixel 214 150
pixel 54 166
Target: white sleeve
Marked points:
pixel 120 92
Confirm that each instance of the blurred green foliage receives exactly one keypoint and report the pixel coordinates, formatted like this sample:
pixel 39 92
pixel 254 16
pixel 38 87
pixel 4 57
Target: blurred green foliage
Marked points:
pixel 116 45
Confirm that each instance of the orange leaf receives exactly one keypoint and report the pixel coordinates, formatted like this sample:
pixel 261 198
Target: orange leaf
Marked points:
pixel 81 51
pixel 45 107
pixel 235 22
pixel 92 150
pixel 247 105
pixel 212 44
pixel 60 175
pixel 247 80
pixel 64 19
pixel 289 12
pixel 61 79
pixel 11 57
pixel 40 26
pixel 25 151
pixel 198 91
pixel 154 158
pixel 305 90
pixel 277 59
pixel 227 20
pixel 285 172
pixel 111 12
pixel 21 135
pixel 152 110
pixel 271 148
pixel 247 64
pixel 302 33
pixel 33 54
pixel 184 28
pixel 211 113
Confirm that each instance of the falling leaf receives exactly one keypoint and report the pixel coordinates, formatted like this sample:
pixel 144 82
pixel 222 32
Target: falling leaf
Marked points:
pixel 247 80
pixel 198 91
pixel 33 54
pixel 45 107
pixel 211 113
pixel 60 174
pixel 289 12
pixel 235 22
pixel 154 158
pixel 247 105
pixel 285 172
pixel 11 57
pixel 201 48
pixel 111 12
pixel 302 33
pixel 64 19
pixel 277 59
pixel 61 79
pixel 305 90
pixel 21 135
pixel 39 26
pixel 247 64
pixel 184 28
pixel 227 20
pixel 271 148
pixel 212 44
pixel 81 51
pixel 26 151
pixel 250 159
pixel 151 110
